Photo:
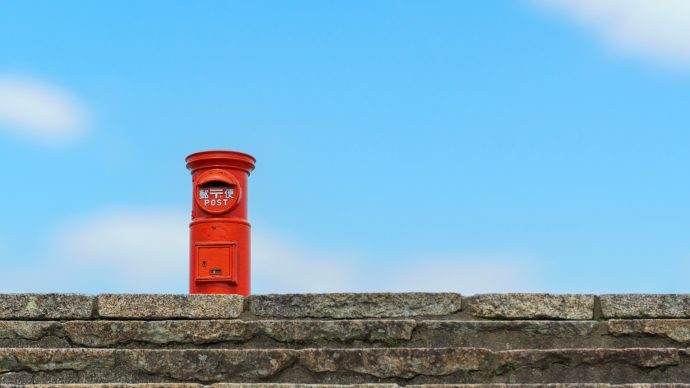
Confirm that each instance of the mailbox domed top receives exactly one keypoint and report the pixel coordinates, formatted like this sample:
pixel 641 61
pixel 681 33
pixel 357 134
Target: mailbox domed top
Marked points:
pixel 220 159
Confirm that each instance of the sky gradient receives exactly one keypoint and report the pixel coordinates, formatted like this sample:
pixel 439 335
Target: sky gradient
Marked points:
pixel 465 146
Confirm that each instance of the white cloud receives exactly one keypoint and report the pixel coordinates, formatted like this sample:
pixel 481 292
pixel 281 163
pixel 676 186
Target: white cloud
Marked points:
pixel 147 251
pixel 39 111
pixel 282 267
pixel 655 29
pixel 133 251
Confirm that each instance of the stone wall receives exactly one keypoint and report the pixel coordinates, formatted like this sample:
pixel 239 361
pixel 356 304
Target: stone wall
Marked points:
pixel 395 339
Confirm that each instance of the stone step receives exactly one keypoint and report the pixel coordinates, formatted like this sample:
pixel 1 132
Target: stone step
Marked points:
pixel 132 306
pixel 343 306
pixel 236 334
pixel 279 385
pixel 402 366
pixel 297 306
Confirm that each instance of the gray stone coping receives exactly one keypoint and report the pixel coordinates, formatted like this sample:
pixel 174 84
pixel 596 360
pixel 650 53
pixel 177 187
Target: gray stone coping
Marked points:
pixel 163 306
pixel 516 306
pixel 342 305
pixel 645 306
pixel 46 306
pixel 531 306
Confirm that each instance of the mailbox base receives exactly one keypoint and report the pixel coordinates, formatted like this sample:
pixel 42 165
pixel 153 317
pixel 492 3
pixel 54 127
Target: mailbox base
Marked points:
pixel 219 256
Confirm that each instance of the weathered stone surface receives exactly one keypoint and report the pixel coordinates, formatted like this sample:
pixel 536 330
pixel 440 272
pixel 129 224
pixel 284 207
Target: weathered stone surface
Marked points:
pixel 19 334
pixel 553 385
pixel 45 306
pixel 677 330
pixel 509 360
pixel 339 366
pixel 106 385
pixel 358 333
pixel 203 333
pixel 169 306
pixel 122 333
pixel 405 363
pixel 376 305
pixel 284 385
pixel 531 306
pixel 409 363
pixel 649 385
pixel 314 331
pixel 125 366
pixel 47 360
pixel 30 330
pixel 645 306
pixel 426 342
pixel 551 328
pixel 208 365
pixel 505 335
pixel 191 385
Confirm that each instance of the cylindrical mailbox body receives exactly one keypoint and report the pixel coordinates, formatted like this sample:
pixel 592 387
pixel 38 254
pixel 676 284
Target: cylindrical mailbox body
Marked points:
pixel 219 255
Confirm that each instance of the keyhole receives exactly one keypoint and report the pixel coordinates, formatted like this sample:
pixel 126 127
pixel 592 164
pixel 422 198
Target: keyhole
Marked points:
pixel 203 264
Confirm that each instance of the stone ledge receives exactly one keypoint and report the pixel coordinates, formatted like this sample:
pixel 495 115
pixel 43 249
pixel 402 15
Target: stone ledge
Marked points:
pixel 346 333
pixel 677 330
pixel 531 306
pixel 192 385
pixel 554 385
pixel 160 333
pixel 341 305
pixel 645 306
pixel 46 306
pixel 307 333
pixel 138 306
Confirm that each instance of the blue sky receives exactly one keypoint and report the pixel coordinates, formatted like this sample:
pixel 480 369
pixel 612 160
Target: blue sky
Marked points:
pixel 466 146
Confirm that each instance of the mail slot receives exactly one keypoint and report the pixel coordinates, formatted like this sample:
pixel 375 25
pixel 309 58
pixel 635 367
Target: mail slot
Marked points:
pixel 219 232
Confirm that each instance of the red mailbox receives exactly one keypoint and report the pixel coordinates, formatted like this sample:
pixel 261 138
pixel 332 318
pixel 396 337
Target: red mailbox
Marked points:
pixel 219 232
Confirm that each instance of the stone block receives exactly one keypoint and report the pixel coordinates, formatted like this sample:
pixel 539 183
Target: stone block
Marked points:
pixel 152 306
pixel 677 330
pixel 531 306
pixel 645 306
pixel 341 305
pixel 45 306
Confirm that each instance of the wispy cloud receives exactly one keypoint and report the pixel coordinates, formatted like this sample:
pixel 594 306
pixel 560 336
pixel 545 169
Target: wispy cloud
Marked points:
pixel 132 251
pixel 40 111
pixel 658 30
pixel 279 266
pixel 147 251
